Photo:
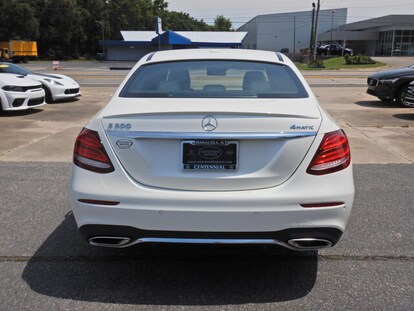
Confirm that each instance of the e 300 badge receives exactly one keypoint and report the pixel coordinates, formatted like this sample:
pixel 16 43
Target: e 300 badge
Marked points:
pixel 119 126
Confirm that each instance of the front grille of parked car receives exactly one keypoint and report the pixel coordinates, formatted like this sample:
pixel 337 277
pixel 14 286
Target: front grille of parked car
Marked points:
pixel 372 82
pixel 72 91
pixel 36 87
pixel 21 88
pixel 35 101
pixel 27 88
pixel 18 102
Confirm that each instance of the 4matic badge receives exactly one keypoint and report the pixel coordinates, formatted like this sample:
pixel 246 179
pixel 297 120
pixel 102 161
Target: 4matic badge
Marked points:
pixel 301 127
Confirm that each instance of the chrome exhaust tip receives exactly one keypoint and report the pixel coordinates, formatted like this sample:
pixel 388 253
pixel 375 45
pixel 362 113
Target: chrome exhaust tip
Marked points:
pixel 109 241
pixel 310 243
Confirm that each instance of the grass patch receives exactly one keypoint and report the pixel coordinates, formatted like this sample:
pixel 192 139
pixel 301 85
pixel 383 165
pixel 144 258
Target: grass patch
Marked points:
pixel 339 63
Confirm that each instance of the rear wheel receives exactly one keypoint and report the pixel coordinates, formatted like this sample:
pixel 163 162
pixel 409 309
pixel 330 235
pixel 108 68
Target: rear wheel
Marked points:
pixel 405 96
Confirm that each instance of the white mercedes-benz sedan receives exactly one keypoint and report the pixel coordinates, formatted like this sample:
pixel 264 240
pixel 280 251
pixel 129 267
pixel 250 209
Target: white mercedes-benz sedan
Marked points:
pixel 20 93
pixel 212 146
pixel 56 86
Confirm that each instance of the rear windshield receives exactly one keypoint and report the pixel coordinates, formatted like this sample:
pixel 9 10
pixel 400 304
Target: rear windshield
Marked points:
pixel 214 79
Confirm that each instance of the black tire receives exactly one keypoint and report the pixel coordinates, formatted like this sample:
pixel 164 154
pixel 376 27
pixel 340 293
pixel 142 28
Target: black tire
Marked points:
pixel 401 96
pixel 48 95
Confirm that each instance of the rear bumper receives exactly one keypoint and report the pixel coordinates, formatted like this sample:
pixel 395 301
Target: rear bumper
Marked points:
pixel 272 215
pixel 289 238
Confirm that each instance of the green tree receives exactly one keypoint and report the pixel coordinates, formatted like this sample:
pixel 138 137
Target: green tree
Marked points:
pixel 129 15
pixel 18 21
pixel 96 25
pixel 179 21
pixel 62 33
pixel 222 24
pixel 72 28
pixel 159 7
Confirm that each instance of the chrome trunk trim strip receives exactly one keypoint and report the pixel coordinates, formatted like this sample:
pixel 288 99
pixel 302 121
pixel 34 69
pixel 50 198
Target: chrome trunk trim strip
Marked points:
pixel 184 135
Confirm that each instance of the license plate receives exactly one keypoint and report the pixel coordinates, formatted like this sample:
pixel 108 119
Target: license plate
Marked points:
pixel 209 155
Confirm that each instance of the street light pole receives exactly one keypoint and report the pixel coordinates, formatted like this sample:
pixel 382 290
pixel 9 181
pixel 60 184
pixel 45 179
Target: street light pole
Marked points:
pixel 294 38
pixel 103 35
pixel 333 13
pixel 312 39
pixel 316 29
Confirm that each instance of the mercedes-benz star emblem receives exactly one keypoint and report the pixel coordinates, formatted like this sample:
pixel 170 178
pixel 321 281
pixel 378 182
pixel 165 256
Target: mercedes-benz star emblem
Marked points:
pixel 209 123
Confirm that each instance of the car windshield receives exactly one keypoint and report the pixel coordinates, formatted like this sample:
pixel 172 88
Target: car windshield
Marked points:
pixel 214 78
pixel 12 68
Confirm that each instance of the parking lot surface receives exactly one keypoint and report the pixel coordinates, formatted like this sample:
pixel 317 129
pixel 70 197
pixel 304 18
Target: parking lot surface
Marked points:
pixel 45 264
pixel 379 132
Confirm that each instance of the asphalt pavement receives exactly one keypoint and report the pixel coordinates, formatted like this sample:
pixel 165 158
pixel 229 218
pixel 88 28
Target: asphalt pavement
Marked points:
pixel 45 264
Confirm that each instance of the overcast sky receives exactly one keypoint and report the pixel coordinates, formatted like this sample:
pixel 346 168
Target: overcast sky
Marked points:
pixel 241 11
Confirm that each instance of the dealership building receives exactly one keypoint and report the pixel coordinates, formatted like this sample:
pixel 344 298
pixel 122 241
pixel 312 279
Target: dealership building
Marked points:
pixel 383 36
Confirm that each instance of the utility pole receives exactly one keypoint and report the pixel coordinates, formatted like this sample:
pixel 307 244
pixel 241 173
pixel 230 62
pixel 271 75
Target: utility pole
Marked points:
pixel 316 29
pixel 101 22
pixel 312 29
pixel 333 13
pixel 103 38
pixel 294 38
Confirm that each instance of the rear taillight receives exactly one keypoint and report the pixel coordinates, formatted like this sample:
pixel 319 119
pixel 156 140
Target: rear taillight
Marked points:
pixel 332 155
pixel 90 154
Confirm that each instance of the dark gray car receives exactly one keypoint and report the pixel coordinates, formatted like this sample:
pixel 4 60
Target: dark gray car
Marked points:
pixel 393 84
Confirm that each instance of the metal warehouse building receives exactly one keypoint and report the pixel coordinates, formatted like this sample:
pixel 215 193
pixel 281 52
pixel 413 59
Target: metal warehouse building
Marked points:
pixel 291 31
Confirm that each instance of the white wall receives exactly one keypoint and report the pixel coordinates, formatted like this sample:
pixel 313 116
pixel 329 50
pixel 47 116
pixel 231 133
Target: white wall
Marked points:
pixel 129 53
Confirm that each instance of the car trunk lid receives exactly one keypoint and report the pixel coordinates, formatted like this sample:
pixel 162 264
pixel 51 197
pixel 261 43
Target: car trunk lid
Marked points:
pixel 231 144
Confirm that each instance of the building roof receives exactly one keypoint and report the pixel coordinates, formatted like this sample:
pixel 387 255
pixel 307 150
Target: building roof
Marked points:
pixel 196 37
pixel 214 36
pixel 141 36
pixel 171 37
pixel 286 17
pixel 379 22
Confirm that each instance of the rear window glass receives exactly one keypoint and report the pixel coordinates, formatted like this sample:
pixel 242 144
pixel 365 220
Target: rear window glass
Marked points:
pixel 214 79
